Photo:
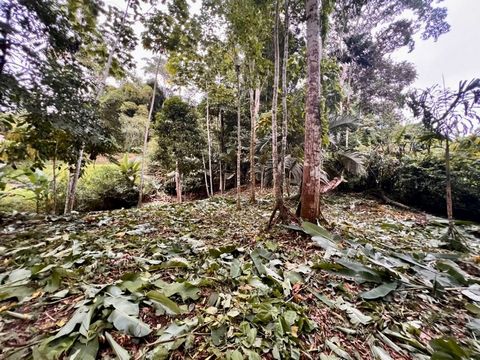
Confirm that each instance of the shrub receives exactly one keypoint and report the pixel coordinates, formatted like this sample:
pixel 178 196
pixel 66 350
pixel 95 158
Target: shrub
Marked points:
pixel 420 182
pixel 105 187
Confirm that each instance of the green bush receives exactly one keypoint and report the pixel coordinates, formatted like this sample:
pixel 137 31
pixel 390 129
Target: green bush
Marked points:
pixel 420 182
pixel 105 187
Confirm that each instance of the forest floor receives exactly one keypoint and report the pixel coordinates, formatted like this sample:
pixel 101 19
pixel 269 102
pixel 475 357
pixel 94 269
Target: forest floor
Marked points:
pixel 203 280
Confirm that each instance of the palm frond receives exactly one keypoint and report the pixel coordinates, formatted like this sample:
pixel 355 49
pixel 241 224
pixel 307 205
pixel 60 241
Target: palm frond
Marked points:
pixel 339 121
pixel 352 162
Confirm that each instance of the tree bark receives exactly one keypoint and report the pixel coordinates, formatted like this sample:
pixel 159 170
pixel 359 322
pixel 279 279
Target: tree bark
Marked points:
pixel 239 145
pixel 209 140
pixel 283 152
pixel 145 136
pixel 54 180
pixel 254 109
pixel 275 164
pixel 178 182
pixel 311 185
pixel 73 187
pixel 222 185
pixel 205 176
pixel 448 185
pixel 278 166
pixel 7 15
pixel 101 88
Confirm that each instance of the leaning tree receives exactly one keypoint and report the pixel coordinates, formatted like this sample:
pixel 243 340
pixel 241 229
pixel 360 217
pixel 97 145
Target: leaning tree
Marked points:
pixel 449 114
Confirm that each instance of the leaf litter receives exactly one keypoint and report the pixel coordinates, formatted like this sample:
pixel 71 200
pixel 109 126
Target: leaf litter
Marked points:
pixel 202 280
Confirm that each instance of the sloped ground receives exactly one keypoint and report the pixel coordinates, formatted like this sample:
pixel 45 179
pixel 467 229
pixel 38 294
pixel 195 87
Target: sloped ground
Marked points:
pixel 202 280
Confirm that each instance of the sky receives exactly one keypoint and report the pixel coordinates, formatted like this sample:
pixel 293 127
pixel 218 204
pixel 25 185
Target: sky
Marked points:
pixel 456 55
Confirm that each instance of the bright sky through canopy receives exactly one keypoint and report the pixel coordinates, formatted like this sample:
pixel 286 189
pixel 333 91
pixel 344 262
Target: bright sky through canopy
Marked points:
pixel 456 54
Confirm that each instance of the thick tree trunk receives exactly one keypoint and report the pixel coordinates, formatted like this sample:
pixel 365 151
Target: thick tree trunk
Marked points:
pixel 145 136
pixel 209 140
pixel 254 109
pixel 312 167
pixel 239 145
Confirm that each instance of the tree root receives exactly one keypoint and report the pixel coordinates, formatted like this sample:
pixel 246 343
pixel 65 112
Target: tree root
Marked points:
pixel 381 195
pixel 284 215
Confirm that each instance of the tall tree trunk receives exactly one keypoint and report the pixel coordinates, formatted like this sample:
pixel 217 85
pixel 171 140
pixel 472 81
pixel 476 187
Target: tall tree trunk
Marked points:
pixel 178 182
pixel 209 140
pixel 220 182
pixel 283 152
pixel 54 182
pixel 239 144
pixel 254 109
pixel 73 187
pixel 101 88
pixel 312 167
pixel 222 130
pixel 262 177
pixel 205 176
pixel 449 184
pixel 275 168
pixel 4 45
pixel 145 135
pixel 67 190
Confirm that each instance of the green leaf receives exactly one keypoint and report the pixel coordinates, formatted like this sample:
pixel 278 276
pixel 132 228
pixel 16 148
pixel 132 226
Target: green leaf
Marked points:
pixel 380 353
pixel 121 353
pixel 474 309
pixel 129 324
pixel 170 306
pixel 447 349
pixel 218 334
pixel 316 230
pixel 257 261
pixel 122 304
pixel 235 269
pixel 290 317
pixel 337 350
pixel 53 348
pixel 19 292
pixel 185 289
pixel 236 355
pixel 18 275
pixel 77 318
pixel 454 270
pixel 84 351
pixel 379 292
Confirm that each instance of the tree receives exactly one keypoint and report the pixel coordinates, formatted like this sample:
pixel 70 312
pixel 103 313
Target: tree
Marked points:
pixel 449 114
pixel 361 37
pixel 312 167
pixel 147 128
pixel 179 139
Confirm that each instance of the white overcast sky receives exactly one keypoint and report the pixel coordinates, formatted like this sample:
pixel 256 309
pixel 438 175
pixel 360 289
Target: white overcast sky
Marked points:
pixel 456 55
